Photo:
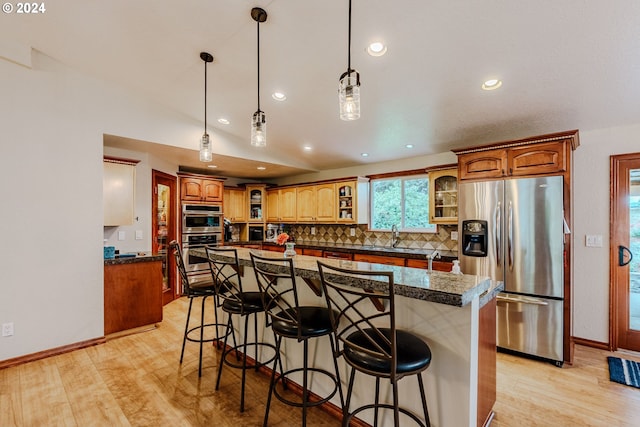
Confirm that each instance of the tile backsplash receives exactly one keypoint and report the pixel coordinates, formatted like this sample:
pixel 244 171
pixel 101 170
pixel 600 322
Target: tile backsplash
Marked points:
pixel 337 233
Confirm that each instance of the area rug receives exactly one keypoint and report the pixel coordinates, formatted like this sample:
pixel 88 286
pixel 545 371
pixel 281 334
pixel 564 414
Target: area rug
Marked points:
pixel 624 371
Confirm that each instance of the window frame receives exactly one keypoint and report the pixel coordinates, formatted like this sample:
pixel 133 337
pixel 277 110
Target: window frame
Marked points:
pixel 403 177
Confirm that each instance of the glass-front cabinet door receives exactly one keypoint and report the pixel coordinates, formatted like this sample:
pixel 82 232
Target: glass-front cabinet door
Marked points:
pixel 443 196
pixel 164 218
pixel 257 203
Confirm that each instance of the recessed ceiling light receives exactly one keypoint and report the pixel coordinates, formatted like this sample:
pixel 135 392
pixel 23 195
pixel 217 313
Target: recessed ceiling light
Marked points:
pixel 409 146
pixel 491 84
pixel 365 154
pixel 223 121
pixel 279 96
pixel 261 168
pixel 307 148
pixel 376 49
pixel 212 166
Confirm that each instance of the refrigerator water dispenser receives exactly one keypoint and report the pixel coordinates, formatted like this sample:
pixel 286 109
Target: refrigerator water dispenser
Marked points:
pixel 474 238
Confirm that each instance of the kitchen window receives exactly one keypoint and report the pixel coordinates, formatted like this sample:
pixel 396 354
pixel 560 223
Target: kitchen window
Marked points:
pixel 401 201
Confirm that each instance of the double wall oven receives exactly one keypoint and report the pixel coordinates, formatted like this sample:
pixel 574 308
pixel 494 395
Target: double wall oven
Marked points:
pixel 202 225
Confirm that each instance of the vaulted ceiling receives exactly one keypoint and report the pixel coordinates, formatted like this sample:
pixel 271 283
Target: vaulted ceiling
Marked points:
pixel 570 64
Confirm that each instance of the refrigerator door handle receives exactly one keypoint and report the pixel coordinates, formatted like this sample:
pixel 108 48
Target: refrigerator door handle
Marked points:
pixel 510 237
pixel 498 232
pixel 522 300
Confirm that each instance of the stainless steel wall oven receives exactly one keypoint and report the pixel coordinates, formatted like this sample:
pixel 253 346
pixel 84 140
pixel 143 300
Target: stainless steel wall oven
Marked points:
pixel 202 225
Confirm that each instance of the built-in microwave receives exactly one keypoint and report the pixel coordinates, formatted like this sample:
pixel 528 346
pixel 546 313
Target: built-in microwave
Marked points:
pixel 256 234
pixel 202 218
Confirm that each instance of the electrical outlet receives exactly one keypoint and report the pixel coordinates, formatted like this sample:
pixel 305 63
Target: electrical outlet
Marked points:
pixel 313 231
pixel 454 235
pixel 138 234
pixel 7 329
pixel 352 231
pixel 121 235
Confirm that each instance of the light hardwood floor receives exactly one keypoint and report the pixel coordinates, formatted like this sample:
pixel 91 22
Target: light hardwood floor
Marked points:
pixel 137 381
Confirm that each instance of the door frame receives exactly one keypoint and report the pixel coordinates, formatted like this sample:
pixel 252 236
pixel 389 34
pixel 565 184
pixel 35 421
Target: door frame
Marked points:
pixel 171 182
pixel 618 301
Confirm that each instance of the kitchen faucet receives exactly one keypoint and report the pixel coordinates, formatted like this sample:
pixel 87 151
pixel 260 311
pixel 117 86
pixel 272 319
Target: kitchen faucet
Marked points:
pixel 434 254
pixel 395 236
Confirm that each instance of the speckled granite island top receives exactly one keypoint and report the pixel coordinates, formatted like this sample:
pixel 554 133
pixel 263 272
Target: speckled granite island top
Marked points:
pixel 444 288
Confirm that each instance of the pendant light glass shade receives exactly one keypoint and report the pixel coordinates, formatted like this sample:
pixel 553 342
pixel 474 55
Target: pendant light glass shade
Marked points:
pixel 349 95
pixel 205 149
pixel 258 129
pixel 205 144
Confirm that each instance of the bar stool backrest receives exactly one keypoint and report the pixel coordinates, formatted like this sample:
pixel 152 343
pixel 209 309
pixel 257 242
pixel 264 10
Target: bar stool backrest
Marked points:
pixel 225 270
pixel 174 246
pixel 277 282
pixel 354 309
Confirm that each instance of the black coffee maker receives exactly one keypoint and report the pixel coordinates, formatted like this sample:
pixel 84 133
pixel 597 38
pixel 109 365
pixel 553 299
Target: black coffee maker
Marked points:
pixel 228 232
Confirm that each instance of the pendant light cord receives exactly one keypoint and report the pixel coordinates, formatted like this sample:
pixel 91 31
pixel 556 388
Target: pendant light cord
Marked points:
pixel 205 96
pixel 349 44
pixel 258 32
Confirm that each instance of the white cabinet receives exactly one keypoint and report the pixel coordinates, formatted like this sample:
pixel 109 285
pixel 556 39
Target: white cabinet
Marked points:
pixel 118 192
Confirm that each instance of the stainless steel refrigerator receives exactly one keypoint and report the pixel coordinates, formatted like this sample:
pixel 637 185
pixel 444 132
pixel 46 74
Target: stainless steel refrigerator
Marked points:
pixel 512 230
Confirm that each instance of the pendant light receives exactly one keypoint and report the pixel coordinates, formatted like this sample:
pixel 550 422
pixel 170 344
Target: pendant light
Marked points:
pixel 205 143
pixel 349 87
pixel 258 121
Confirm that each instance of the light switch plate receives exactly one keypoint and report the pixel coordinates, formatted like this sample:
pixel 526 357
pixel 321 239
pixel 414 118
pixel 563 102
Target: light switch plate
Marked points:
pixel 593 241
pixel 313 231
pixel 121 235
pixel 352 231
pixel 138 234
pixel 454 235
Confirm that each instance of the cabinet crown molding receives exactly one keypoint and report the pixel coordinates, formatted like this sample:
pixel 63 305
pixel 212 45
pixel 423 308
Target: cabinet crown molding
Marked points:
pixel 572 135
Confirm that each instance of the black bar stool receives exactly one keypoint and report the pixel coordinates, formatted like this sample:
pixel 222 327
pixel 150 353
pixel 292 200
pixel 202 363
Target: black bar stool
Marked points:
pixel 225 271
pixel 196 287
pixel 276 279
pixel 370 341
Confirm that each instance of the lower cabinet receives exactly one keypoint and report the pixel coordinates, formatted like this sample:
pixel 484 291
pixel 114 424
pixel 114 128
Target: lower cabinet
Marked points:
pixel 132 295
pixel 378 259
pixel 423 263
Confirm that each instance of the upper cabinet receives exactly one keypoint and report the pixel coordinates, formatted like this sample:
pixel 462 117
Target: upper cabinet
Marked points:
pixel 118 191
pixel 281 205
pixel 235 204
pixel 547 155
pixel 443 197
pixel 347 201
pixel 316 203
pixel 200 189
pixel 256 200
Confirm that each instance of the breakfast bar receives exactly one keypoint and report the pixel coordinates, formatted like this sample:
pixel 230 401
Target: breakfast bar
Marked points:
pixel 454 314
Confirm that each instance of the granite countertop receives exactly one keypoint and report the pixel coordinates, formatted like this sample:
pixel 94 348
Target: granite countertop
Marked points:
pixel 399 252
pixel 444 288
pixel 133 258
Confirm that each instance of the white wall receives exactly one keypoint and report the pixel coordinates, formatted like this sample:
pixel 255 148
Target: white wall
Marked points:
pixel 53 121
pixel 591 216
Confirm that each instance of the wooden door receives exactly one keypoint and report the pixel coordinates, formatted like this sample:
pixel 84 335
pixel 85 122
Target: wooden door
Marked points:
pixel 483 164
pixel 624 259
pixel 538 159
pixel 211 190
pixel 287 204
pixel 164 218
pixel 273 205
pixel 306 203
pixel 326 202
pixel 191 189
pixel 235 205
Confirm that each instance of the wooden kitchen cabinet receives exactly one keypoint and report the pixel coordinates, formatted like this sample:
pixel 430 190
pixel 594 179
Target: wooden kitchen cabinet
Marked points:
pixel 132 295
pixel 337 255
pixel 347 193
pixel 443 197
pixel 424 263
pixel 316 203
pixel 379 259
pixel 281 205
pixel 256 199
pixel 235 204
pixel 532 157
pixel 193 189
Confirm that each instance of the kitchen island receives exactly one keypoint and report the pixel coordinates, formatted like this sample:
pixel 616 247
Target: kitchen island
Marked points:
pixel 454 314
